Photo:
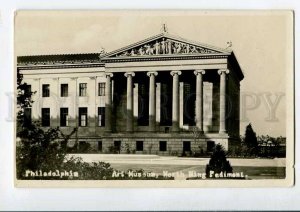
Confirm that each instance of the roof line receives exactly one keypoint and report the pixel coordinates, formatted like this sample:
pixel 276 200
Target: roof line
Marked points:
pixel 39 55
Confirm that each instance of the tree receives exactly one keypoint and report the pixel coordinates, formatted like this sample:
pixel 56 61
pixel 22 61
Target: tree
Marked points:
pixel 218 162
pixel 24 101
pixel 250 140
pixel 38 148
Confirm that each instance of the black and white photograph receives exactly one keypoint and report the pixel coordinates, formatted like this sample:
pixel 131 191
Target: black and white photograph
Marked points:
pixel 154 98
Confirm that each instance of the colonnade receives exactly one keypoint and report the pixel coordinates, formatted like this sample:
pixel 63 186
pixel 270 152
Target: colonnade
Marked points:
pixel 175 100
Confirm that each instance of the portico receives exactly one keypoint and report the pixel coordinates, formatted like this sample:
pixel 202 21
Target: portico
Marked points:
pixel 175 100
pixel 193 83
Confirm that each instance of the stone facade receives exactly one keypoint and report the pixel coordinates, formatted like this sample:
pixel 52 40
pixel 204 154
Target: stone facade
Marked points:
pixel 163 95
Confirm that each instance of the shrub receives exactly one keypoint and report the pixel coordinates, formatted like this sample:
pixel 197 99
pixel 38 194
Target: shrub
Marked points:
pixel 88 171
pixel 218 162
pixel 84 147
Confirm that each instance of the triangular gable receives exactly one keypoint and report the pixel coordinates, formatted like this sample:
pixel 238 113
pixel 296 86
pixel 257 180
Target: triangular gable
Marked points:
pixel 164 44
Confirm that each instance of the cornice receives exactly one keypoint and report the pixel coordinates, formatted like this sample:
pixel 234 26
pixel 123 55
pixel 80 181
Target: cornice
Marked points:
pixel 59 66
pixel 163 58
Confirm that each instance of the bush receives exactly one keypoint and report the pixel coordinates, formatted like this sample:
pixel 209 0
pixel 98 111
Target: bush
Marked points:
pixel 87 171
pixel 218 162
pixel 38 150
pixel 84 147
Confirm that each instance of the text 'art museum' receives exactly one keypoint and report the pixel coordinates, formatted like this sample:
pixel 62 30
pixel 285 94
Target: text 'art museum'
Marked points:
pixel 164 95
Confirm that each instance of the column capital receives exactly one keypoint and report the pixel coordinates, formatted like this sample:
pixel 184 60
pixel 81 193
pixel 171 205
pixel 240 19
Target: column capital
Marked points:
pixel 152 72
pixel 108 74
pixel 200 71
pixel 175 72
pixel 129 73
pixel 220 71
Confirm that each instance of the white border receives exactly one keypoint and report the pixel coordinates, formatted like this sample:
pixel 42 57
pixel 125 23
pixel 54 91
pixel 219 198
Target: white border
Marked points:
pixel 129 199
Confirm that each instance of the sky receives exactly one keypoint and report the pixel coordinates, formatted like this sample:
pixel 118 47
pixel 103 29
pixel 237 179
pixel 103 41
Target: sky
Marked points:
pixel 259 40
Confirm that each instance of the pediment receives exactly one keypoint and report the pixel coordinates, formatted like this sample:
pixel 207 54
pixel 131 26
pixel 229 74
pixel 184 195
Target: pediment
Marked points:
pixel 164 45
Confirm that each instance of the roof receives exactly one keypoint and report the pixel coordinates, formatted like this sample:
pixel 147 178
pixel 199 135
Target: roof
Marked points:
pixel 58 58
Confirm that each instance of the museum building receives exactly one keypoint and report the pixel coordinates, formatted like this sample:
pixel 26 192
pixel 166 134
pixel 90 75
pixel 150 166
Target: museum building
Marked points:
pixel 163 95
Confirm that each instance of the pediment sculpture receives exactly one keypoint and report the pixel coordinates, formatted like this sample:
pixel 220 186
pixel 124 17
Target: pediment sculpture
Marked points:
pixel 165 46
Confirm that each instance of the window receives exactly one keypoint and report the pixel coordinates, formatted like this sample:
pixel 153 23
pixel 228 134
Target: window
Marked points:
pixel 101 89
pixel 45 117
pixel 101 116
pixel 139 145
pixel 82 116
pixel 64 117
pixel 46 90
pixel 100 146
pixel 186 146
pixel 27 88
pixel 64 90
pixel 27 116
pixel 167 129
pixel 162 146
pixel 210 146
pixel 82 89
pixel 117 146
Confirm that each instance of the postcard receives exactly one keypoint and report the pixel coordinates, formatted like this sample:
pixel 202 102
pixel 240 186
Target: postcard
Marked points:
pixel 154 98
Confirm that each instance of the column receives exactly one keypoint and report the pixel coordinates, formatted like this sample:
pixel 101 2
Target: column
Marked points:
pixel 108 102
pixel 129 107
pixel 222 73
pixel 158 102
pixel 135 103
pixel 199 99
pixel 175 101
pixel 152 102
